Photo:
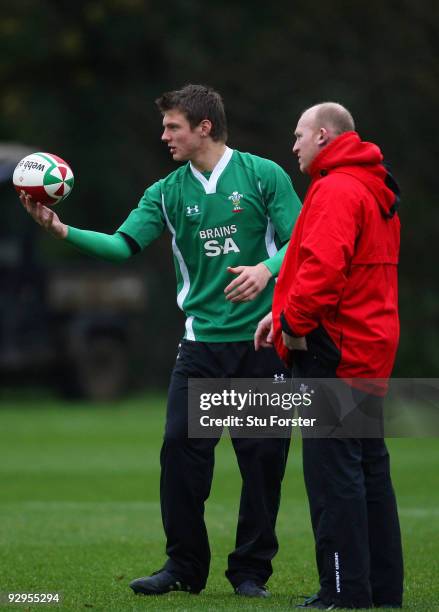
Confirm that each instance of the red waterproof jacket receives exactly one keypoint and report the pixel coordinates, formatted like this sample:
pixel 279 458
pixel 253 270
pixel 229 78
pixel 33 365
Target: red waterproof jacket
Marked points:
pixel 338 280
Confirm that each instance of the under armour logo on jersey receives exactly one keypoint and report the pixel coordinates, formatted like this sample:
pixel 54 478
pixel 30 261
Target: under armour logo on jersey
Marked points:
pixel 236 201
pixel 279 378
pixel 192 210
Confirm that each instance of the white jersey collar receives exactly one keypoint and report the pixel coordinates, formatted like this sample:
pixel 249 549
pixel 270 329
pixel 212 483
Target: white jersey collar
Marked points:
pixel 210 185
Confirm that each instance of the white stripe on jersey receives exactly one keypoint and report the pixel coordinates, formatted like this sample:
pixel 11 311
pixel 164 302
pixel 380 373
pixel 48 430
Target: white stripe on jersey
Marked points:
pixel 270 244
pixel 183 267
pixel 269 239
pixel 189 328
pixel 210 185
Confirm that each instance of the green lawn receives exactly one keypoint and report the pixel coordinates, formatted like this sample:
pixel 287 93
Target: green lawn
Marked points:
pixel 79 511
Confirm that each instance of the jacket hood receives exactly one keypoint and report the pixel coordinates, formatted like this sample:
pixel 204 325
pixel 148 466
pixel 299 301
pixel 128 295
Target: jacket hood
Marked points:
pixel 348 154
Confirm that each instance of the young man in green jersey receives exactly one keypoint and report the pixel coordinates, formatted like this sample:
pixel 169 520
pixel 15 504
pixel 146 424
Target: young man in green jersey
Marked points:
pixel 223 209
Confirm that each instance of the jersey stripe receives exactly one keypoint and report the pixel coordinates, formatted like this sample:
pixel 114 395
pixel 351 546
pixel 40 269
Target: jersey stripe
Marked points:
pixel 269 239
pixel 210 185
pixel 270 244
pixel 183 270
pixel 189 328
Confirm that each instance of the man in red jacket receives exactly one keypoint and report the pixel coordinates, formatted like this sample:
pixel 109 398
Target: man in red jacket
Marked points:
pixel 335 315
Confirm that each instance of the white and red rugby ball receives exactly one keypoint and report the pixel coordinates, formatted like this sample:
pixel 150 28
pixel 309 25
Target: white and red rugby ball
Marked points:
pixel 45 177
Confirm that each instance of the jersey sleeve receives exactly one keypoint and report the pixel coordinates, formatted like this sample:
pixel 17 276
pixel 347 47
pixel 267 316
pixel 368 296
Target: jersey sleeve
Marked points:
pixel 146 222
pixel 274 263
pixel 282 202
pixel 105 246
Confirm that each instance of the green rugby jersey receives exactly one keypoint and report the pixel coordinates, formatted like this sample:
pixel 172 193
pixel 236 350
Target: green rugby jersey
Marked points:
pixel 240 215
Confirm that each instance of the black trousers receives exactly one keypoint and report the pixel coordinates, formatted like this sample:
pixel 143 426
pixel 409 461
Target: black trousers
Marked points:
pixel 187 470
pixel 353 509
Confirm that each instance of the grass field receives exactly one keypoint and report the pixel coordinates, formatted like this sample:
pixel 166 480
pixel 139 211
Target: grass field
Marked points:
pixel 79 511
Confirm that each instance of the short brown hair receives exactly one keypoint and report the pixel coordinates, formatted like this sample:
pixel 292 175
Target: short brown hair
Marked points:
pixel 197 102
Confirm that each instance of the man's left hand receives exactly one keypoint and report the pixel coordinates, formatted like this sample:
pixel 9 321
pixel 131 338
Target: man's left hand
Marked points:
pixel 251 280
pixel 294 344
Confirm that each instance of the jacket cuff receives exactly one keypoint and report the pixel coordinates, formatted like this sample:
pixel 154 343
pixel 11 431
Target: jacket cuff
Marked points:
pixel 285 327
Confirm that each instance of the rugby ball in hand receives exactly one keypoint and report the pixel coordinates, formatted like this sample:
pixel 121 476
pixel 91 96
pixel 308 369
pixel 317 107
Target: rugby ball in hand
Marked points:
pixel 45 177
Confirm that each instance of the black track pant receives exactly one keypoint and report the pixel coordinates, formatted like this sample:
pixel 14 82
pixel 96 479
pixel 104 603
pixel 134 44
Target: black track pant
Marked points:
pixel 353 509
pixel 355 521
pixel 187 471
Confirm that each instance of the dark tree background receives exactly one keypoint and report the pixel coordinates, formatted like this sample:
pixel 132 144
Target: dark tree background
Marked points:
pixel 80 78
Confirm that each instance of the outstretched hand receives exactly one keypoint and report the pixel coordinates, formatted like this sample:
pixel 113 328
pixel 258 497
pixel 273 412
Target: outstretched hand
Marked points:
pixel 251 280
pixel 264 332
pixel 44 216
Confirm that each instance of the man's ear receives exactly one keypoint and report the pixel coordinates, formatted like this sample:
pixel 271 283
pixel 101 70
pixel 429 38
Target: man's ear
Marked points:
pixel 323 137
pixel 206 127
